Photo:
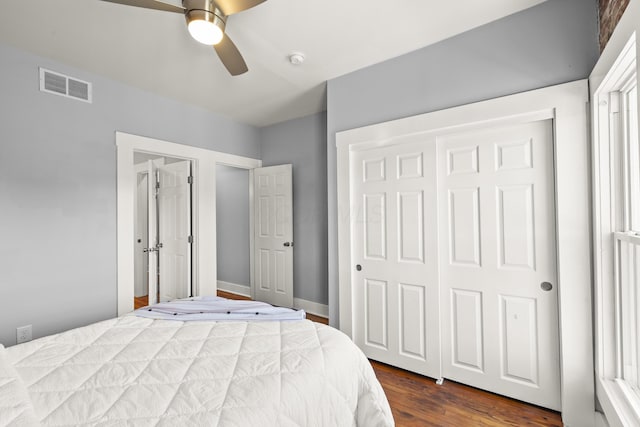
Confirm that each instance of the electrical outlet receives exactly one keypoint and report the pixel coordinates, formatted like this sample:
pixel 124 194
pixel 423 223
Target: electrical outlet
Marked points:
pixel 23 334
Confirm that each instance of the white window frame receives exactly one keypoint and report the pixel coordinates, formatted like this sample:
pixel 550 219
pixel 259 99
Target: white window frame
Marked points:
pixel 620 404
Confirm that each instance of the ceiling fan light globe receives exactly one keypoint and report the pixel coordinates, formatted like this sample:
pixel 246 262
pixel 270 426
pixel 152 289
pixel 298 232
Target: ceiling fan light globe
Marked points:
pixel 205 32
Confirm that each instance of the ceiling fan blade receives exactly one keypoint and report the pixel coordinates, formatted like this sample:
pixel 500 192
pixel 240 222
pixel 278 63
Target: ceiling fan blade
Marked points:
pixel 229 7
pixel 231 57
pixel 150 4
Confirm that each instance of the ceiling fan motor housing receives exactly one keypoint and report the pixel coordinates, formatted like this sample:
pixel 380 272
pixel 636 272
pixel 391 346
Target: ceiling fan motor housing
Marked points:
pixel 205 10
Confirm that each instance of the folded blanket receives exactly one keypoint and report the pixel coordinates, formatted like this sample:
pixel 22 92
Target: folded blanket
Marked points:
pixel 220 309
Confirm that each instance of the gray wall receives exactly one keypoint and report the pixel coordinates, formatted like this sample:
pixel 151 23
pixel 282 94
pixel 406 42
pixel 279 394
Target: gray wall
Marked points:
pixel 552 43
pixel 232 220
pixel 58 163
pixel 301 142
pixel 58 188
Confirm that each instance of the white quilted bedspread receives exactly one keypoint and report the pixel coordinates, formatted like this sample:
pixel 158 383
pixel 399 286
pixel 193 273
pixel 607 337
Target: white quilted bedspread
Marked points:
pixel 142 372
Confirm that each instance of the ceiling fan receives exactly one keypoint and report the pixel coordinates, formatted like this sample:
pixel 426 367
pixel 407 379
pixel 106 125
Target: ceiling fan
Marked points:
pixel 206 21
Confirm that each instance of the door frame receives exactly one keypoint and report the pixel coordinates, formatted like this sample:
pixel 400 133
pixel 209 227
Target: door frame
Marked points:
pixel 567 106
pixel 204 162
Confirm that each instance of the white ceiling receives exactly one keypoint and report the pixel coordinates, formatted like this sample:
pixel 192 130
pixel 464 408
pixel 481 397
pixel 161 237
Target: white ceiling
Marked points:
pixel 153 50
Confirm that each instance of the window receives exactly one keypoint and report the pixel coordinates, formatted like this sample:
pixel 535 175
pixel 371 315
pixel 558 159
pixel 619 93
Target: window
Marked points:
pixel 630 105
pixel 627 234
pixel 617 240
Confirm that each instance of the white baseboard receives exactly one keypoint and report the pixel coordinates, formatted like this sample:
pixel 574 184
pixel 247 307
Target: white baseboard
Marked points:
pixel 234 288
pixel 311 307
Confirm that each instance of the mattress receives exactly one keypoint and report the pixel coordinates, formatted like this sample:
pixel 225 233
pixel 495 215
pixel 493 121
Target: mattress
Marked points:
pixel 147 372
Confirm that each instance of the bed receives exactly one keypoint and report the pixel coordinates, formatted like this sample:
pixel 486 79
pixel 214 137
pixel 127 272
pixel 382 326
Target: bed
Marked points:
pixel 143 371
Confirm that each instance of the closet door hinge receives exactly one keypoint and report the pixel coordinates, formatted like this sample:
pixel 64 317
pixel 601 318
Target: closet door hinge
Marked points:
pixel 190 238
pixel 190 179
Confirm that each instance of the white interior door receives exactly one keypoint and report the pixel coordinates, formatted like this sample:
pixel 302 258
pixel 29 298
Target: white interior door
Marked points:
pixel 174 230
pixel 273 230
pixel 395 279
pixel 497 261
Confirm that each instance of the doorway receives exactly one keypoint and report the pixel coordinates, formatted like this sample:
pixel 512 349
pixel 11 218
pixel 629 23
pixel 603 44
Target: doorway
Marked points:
pixel 162 228
pixel 204 265
pixel 255 232
pixel 455 237
pixel 564 106
pixel 233 217
pixel 273 216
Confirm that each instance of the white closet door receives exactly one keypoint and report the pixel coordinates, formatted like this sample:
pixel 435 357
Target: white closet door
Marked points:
pixel 498 269
pixel 273 205
pixel 395 277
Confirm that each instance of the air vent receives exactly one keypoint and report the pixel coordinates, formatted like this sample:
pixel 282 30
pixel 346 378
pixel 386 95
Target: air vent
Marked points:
pixel 66 86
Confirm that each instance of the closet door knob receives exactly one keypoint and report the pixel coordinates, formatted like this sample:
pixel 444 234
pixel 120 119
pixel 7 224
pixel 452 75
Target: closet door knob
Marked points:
pixel 358 267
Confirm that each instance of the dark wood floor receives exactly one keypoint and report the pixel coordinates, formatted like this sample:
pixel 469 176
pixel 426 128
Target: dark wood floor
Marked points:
pixel 139 302
pixel 418 401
